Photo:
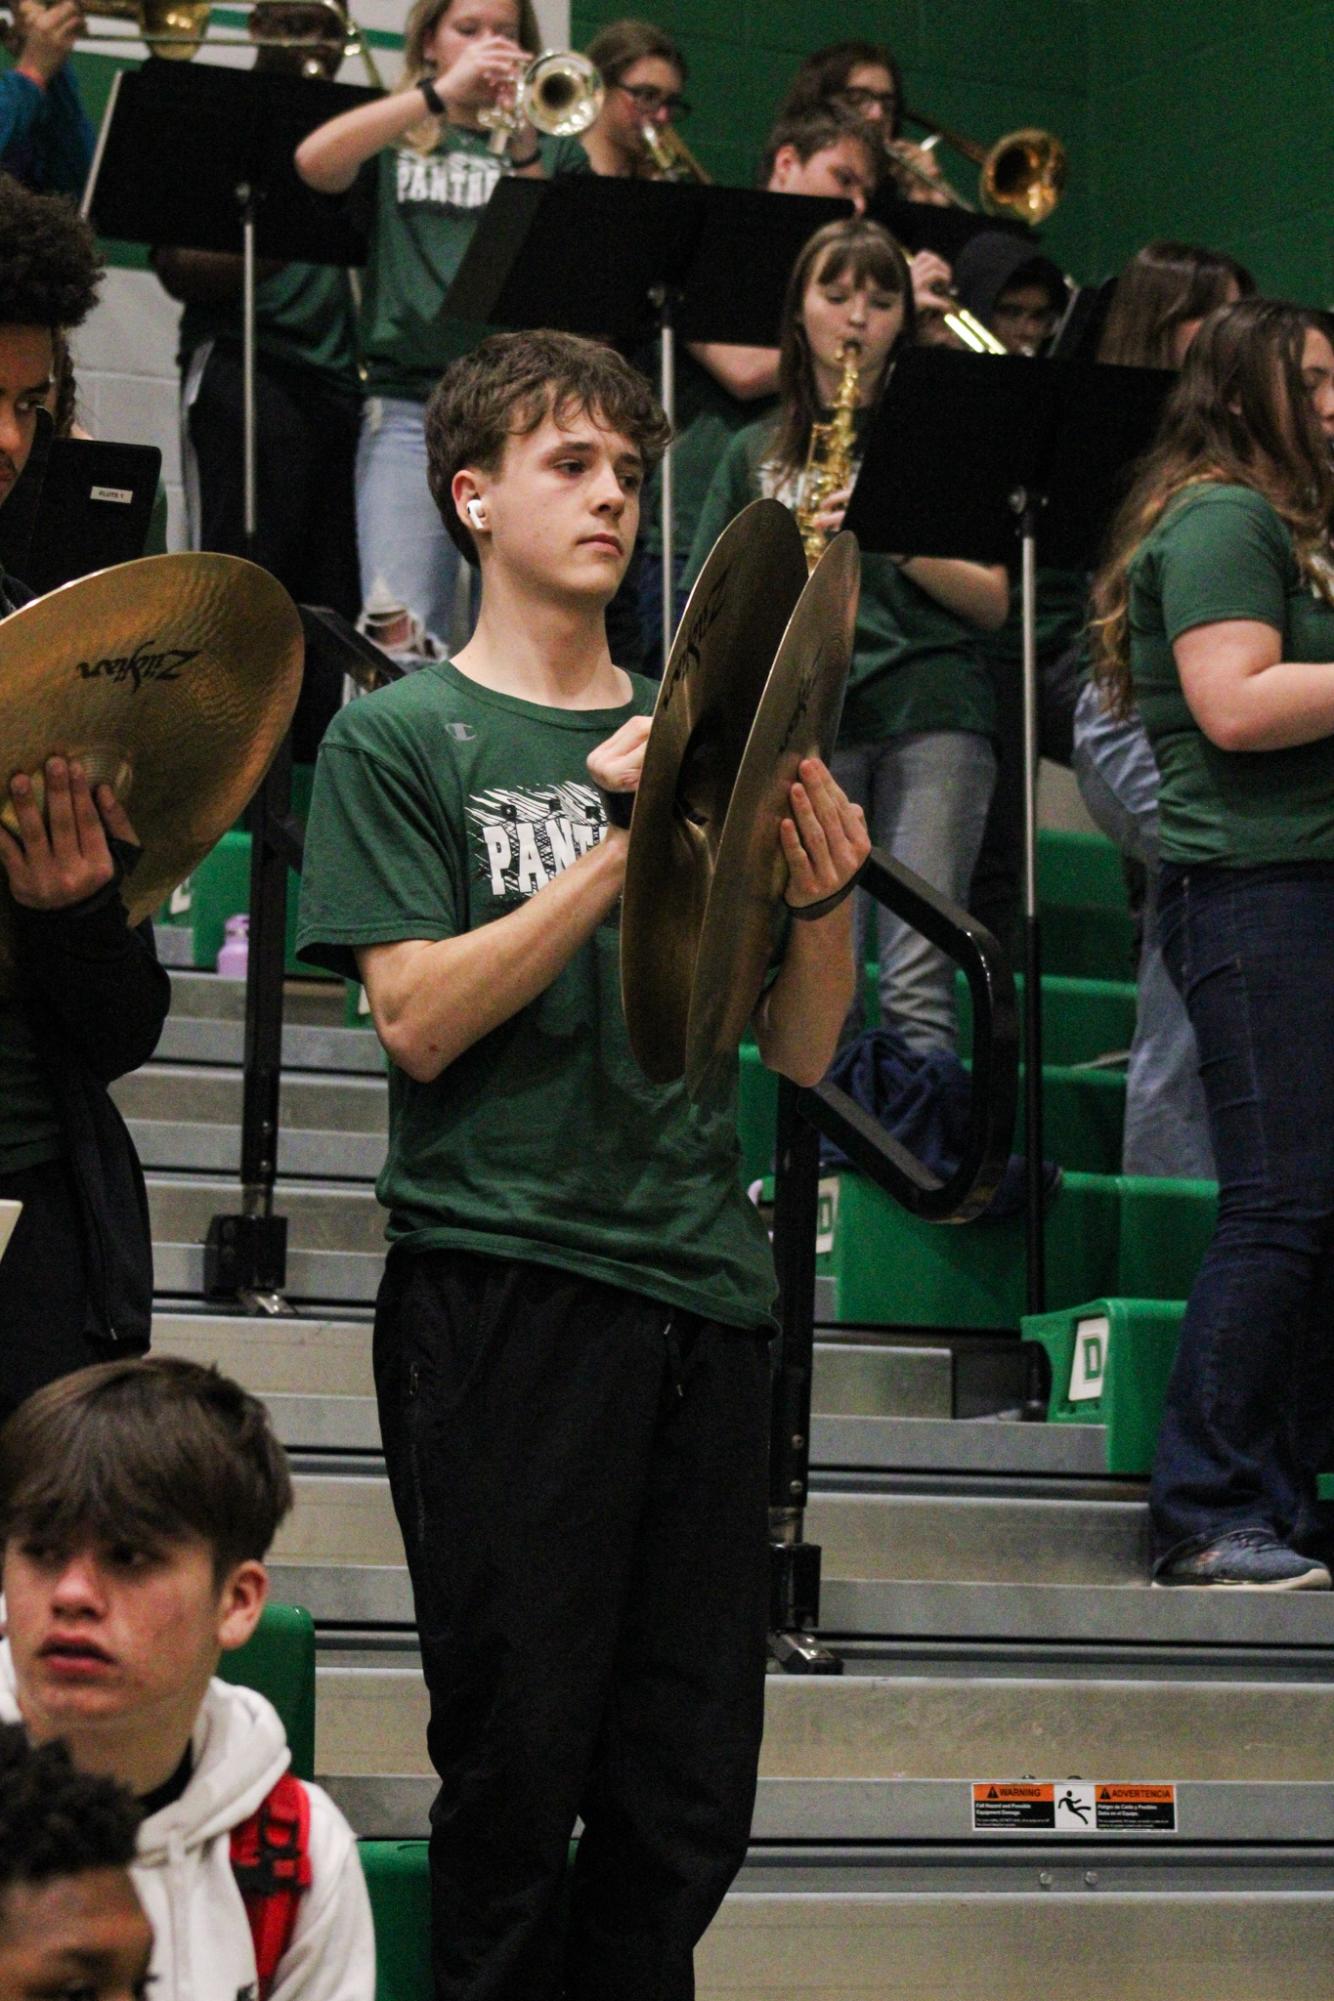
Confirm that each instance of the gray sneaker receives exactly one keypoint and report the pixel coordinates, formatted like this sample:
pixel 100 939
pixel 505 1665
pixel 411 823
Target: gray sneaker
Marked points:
pixel 1247 1560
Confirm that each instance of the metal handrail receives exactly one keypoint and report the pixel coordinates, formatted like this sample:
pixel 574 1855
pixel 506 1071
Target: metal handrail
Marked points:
pixel 803 1117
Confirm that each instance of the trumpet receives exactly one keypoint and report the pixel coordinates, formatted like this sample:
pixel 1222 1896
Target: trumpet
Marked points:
pixel 560 92
pixel 1022 175
pixel 670 154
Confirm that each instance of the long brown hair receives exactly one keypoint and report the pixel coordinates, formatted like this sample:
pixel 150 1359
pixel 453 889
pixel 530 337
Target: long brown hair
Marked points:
pixel 423 19
pixel 1162 287
pixel 621 44
pixel 1238 415
pixel 863 253
pixel 824 74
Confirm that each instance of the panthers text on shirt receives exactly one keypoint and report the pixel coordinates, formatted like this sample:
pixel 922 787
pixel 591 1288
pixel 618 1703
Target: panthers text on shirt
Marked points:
pixel 450 182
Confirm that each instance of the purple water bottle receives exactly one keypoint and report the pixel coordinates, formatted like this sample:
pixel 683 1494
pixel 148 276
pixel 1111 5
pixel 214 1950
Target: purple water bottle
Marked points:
pixel 235 954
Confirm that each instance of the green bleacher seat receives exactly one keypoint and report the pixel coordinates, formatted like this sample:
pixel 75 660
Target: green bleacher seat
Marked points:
pixel 279 1660
pixel 1110 1361
pixel 1165 1228
pixel 1086 924
pixel 398 1884
pixel 400 1894
pixel 1083 1113
pixel 1081 1019
pixel 888 1267
pixel 220 887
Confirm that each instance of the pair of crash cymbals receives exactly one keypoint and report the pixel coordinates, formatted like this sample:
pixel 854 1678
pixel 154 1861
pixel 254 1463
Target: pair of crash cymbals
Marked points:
pixel 754 684
pixel 173 680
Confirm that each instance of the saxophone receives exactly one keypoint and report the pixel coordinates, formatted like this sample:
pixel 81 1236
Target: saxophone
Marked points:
pixel 829 459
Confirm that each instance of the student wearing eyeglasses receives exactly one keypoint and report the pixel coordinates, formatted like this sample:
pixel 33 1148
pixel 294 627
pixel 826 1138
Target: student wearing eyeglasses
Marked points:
pixel 644 72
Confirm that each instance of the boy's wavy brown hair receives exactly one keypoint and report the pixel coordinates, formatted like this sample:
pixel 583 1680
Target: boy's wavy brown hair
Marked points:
pixel 508 385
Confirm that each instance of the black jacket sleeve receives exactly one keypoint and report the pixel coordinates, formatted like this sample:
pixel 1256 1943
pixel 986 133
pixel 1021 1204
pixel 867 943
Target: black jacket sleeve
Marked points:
pixel 93 981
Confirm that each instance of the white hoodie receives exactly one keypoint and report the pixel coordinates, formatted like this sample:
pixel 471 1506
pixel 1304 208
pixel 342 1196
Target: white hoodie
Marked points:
pixel 202 1948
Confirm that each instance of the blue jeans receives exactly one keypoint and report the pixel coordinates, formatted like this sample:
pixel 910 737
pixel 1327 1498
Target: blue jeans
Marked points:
pixel 1249 1418
pixel 925 795
pixel 1166 1125
pixel 401 541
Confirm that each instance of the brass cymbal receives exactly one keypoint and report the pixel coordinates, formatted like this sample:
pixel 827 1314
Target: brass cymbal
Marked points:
pixel 797 717
pixel 174 679
pixel 718 667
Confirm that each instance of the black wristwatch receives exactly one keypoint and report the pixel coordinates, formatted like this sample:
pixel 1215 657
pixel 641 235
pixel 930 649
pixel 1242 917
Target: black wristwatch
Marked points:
pixel 530 161
pixel 435 103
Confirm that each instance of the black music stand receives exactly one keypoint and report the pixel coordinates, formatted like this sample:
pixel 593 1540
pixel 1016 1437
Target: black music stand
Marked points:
pixel 237 130
pixel 923 226
pixel 687 262
pixel 965 452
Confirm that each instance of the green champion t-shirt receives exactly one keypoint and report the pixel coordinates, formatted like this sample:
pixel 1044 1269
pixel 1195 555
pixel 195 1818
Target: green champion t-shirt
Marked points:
pixel 439 805
pixel 303 313
pixel 915 665
pixel 1221 552
pixel 29 1124
pixel 427 206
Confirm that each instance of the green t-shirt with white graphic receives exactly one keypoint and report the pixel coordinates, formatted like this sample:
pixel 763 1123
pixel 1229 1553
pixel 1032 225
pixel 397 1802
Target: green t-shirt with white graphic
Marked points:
pixel 427 206
pixel 1222 552
pixel 440 805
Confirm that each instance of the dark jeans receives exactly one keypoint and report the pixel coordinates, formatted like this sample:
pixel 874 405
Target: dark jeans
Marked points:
pixel 580 1478
pixel 43 1294
pixel 306 445
pixel 1249 1420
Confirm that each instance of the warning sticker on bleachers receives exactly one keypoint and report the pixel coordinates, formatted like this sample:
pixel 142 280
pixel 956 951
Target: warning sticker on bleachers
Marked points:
pixel 1026 1806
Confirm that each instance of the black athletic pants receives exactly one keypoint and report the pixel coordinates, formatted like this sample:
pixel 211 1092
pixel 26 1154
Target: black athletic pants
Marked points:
pixel 306 446
pixel 580 1478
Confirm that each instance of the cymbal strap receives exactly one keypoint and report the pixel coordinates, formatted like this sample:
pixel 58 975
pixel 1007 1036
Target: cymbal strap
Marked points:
pixel 808 912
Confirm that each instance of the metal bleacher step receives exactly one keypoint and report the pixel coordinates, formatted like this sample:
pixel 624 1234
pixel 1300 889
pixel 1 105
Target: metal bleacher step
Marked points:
pixel 335 1236
pixel 189 1117
pixel 207 1023
pixel 966 1567
pixel 1103 1925
pixel 877 1407
pixel 873 1756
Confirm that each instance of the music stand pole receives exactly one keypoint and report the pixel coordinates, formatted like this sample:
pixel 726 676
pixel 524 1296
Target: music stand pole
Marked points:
pixel 1026 506
pixel 245 195
pixel 664 297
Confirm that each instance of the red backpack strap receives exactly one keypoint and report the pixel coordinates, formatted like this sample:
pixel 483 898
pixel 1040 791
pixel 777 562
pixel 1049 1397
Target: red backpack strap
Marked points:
pixel 271 1863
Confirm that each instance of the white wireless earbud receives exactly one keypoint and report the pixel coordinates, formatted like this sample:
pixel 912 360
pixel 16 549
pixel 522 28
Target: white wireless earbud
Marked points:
pixel 476 513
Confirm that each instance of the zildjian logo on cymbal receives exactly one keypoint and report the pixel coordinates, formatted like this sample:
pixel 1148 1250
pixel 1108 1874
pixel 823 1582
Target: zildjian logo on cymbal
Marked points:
pixel 802 693
pixel 139 666
pixel 704 618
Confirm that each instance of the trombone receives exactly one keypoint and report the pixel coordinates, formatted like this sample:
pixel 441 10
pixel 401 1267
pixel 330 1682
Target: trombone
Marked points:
pixel 670 154
pixel 178 29
pixel 1022 175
